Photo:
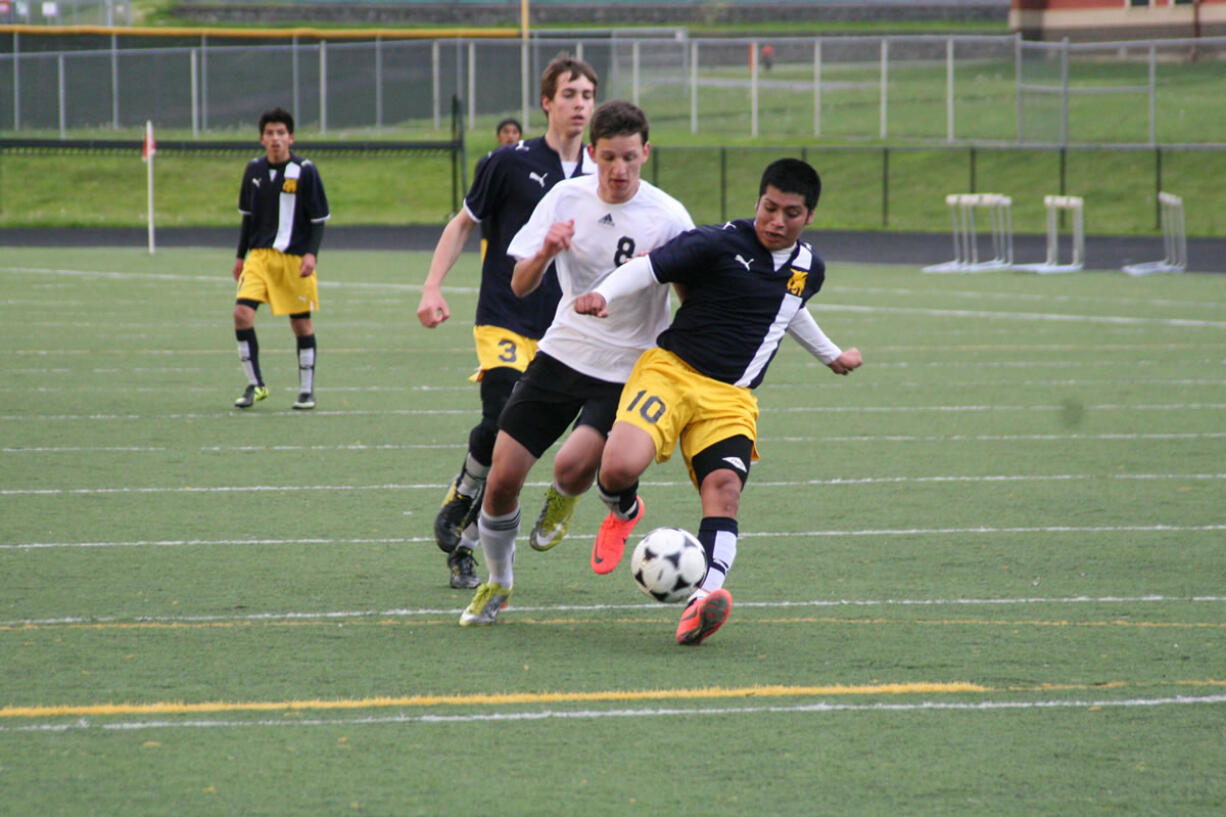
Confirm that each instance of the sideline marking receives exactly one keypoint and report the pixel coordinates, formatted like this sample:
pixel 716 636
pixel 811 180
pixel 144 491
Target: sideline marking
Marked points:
pixel 709 693
pixel 330 616
pixel 430 486
pixel 819 708
pixel 406 540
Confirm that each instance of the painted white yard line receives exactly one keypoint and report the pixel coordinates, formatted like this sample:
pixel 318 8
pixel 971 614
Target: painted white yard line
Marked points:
pixel 431 486
pixel 866 438
pixel 1117 320
pixel 980 530
pixel 818 708
pixel 941 409
pixel 556 609
pixel 1014 297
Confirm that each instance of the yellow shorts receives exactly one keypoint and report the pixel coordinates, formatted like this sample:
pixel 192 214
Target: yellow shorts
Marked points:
pixel 271 277
pixel 501 347
pixel 672 402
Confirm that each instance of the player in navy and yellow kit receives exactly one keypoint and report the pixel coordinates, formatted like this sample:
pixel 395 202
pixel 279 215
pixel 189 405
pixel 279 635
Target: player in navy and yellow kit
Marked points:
pixel 746 284
pixel 284 208
pixel 506 188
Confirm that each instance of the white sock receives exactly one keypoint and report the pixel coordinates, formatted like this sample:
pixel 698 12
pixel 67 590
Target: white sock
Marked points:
pixel 306 370
pixel 498 543
pixel 722 558
pixel 473 476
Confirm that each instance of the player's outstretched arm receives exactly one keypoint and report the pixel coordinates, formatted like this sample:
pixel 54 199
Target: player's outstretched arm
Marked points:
pixel 432 309
pixel 848 360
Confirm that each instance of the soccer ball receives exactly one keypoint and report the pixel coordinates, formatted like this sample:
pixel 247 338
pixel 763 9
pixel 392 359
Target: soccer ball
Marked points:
pixel 668 564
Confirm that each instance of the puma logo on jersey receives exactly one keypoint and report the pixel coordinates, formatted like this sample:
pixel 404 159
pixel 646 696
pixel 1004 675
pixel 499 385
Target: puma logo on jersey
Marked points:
pixel 742 261
pixel 538 178
pixel 607 220
pixel 520 145
pixel 256 182
pixel 737 464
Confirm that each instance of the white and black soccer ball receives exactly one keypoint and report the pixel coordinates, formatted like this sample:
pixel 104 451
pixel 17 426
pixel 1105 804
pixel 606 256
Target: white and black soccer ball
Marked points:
pixel 668 564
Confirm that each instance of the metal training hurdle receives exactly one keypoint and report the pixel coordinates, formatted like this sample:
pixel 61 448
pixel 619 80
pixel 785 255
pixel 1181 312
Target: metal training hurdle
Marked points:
pixel 1174 239
pixel 1054 205
pixel 999 212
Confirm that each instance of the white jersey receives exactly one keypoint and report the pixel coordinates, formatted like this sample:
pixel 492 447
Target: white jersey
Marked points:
pixel 606 236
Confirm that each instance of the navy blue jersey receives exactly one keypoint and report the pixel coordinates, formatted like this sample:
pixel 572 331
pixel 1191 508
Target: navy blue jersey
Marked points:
pixel 283 205
pixel 506 187
pixel 737 305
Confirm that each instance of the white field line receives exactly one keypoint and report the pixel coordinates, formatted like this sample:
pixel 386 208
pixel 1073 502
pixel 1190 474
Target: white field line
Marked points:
pixel 431 486
pixel 558 609
pixel 979 530
pixel 867 438
pixel 940 409
pixel 823 307
pixel 820 708
pixel 1010 297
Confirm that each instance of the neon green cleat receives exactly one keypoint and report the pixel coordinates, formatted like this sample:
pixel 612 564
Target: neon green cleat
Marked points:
pixel 551 525
pixel 250 396
pixel 483 609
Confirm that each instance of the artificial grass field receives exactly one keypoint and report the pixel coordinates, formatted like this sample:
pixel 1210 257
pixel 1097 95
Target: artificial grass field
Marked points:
pixel 982 575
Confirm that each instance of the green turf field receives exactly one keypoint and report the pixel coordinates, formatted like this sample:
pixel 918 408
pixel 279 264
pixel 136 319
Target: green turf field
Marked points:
pixel 982 575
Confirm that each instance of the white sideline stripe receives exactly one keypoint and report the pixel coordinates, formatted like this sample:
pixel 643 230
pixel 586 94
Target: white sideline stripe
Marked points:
pixel 1119 320
pixel 652 712
pixel 409 540
pixel 836 481
pixel 824 307
pixel 468 411
pixel 868 438
pixel 1014 297
pixel 212 279
pixel 329 615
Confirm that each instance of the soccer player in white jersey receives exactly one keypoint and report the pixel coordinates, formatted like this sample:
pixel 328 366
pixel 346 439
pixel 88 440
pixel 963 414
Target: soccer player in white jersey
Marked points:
pixel 586 227
pixel 284 208
pixel 746 284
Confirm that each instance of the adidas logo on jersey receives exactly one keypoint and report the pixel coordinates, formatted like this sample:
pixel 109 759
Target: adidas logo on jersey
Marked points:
pixel 607 220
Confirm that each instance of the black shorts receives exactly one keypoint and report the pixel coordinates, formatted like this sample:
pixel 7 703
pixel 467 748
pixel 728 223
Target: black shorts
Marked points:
pixel 549 396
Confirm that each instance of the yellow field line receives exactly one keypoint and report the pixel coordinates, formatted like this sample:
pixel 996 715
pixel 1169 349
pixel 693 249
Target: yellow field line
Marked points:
pixel 622 696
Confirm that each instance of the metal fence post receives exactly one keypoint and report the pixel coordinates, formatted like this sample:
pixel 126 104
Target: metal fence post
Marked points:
pixel 885 63
pixel 694 87
pixel 434 82
pixel 753 88
pixel 1017 71
pixel 63 102
pixel 114 81
pixel 193 67
pixel 1153 90
pixel 378 81
pixel 293 59
pixel 16 81
pixel 949 90
pixel 817 87
pixel 723 184
pixel 323 86
pixel 1064 92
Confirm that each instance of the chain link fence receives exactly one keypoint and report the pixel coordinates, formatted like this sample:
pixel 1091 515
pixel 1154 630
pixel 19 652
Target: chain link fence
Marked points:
pixel 897 89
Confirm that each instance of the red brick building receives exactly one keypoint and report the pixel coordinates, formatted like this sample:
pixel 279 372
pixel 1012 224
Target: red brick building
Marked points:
pixel 1101 20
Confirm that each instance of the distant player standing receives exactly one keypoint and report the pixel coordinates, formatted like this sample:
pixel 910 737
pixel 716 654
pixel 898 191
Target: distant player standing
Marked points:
pixel 284 208
pixel 506 188
pixel 586 227
pixel 746 284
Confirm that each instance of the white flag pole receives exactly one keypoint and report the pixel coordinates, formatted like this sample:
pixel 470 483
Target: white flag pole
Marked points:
pixel 147 151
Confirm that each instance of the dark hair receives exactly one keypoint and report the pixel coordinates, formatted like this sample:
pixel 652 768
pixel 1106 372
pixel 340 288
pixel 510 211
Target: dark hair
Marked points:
pixel 277 115
pixel 564 64
pixel 793 176
pixel 510 120
pixel 618 118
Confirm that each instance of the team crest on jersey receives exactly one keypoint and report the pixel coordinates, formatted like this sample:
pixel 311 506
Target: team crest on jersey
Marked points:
pixel 290 186
pixel 796 284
